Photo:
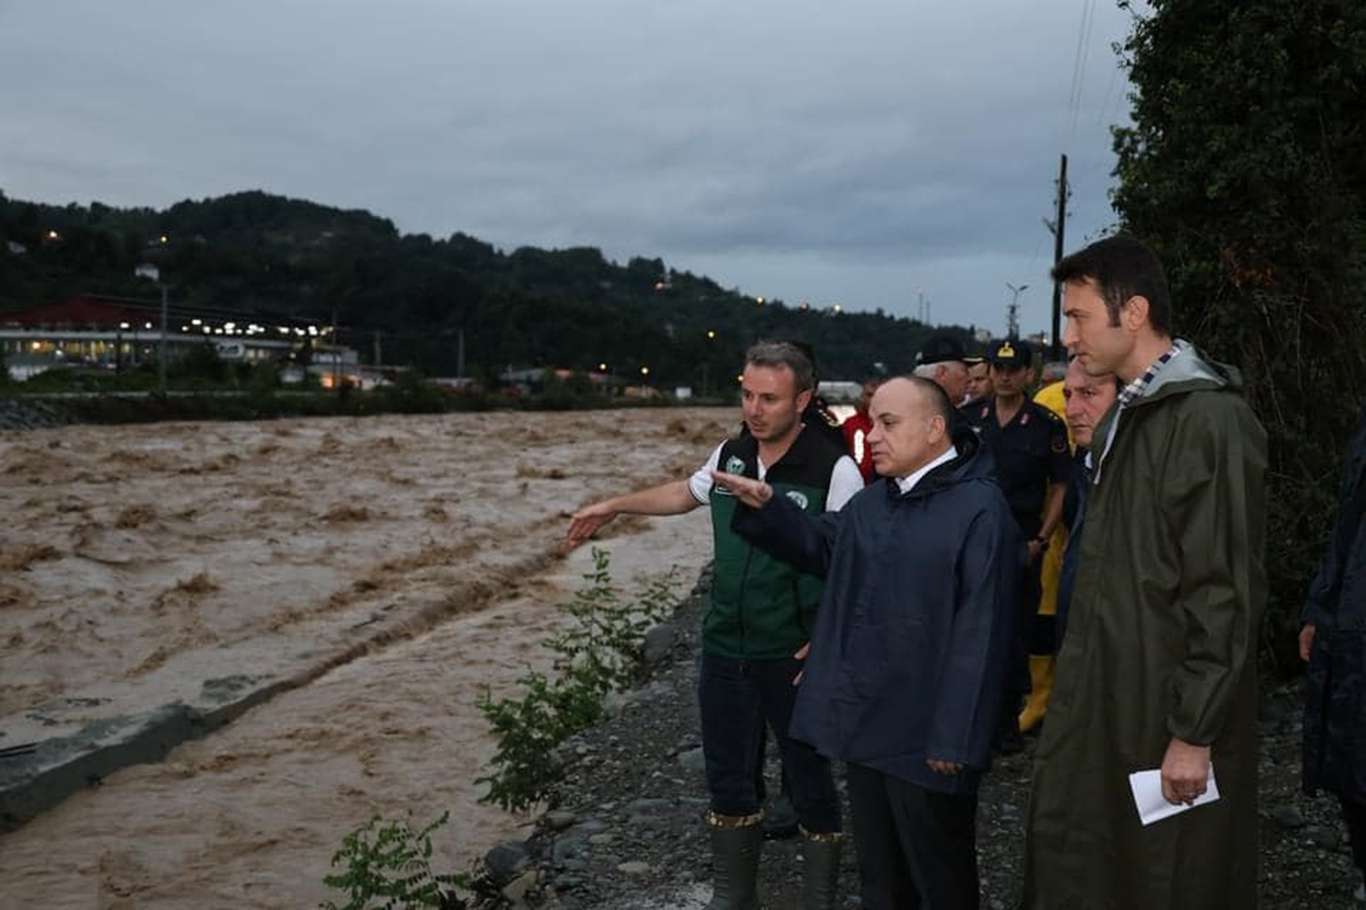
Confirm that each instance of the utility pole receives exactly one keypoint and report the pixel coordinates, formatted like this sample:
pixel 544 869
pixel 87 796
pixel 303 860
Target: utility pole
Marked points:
pixel 161 349
pixel 460 355
pixel 150 271
pixel 336 354
pixel 1058 229
pixel 379 354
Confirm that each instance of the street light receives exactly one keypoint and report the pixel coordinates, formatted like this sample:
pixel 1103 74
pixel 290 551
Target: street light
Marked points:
pixel 1013 314
pixel 147 270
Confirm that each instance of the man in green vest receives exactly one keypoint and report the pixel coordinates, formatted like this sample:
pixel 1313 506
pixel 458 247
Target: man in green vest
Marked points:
pixel 759 614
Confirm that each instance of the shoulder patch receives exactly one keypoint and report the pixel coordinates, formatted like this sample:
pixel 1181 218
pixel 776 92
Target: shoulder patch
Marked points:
pixel 798 497
pixel 735 465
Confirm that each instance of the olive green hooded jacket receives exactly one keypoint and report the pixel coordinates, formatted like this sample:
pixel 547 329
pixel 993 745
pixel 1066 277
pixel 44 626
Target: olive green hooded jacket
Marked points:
pixel 1161 643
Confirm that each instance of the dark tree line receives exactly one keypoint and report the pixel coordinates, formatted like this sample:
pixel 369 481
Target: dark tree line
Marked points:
pixel 416 295
pixel 1245 167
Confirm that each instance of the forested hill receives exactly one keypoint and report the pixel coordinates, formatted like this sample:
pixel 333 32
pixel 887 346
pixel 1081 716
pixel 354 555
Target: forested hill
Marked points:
pixel 530 307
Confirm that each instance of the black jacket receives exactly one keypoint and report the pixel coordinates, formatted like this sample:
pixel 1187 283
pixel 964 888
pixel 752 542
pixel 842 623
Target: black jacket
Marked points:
pixel 1335 690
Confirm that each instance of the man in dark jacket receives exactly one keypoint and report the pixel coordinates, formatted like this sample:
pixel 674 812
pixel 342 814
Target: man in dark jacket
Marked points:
pixel 1028 444
pixel 903 678
pixel 1334 641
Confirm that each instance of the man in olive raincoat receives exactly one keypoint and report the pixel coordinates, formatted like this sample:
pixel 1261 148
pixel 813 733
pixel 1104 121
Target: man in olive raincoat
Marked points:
pixel 1157 670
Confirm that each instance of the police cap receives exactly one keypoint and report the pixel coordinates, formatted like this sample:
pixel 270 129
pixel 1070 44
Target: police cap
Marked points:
pixel 1011 352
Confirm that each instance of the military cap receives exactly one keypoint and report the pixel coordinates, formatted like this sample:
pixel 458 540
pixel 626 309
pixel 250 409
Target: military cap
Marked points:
pixel 1011 352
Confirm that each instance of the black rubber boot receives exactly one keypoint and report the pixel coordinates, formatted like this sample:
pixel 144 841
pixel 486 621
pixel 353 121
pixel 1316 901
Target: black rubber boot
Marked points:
pixel 735 864
pixel 821 861
pixel 780 821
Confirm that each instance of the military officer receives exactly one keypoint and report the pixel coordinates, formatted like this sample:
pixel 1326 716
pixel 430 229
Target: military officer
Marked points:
pixel 1028 444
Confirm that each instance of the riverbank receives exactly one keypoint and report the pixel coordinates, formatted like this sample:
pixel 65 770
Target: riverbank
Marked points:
pixel 626 832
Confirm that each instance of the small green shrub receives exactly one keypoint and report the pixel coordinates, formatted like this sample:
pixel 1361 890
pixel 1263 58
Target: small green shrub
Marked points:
pixel 598 654
pixel 388 865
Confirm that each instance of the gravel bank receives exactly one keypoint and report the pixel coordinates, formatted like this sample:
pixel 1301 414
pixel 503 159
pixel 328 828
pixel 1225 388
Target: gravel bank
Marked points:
pixel 625 832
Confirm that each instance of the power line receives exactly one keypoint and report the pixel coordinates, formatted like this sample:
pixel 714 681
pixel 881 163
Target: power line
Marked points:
pixel 1088 22
pixel 1105 104
pixel 1076 73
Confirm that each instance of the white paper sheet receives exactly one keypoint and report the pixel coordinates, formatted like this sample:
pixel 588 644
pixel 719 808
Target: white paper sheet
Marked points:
pixel 1153 806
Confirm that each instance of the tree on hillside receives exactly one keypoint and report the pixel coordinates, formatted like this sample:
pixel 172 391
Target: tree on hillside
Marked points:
pixel 1245 167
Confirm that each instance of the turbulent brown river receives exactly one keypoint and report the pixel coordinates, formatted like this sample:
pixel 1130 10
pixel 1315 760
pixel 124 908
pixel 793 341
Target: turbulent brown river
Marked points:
pixel 134 560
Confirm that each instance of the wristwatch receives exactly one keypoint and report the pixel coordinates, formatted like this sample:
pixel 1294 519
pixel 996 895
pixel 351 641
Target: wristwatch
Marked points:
pixel 1042 542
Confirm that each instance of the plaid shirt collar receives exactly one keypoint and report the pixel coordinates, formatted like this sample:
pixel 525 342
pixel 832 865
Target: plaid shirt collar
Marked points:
pixel 1131 392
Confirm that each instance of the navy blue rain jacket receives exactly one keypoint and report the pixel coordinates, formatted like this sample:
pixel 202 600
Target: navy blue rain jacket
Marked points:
pixel 911 639
pixel 1335 686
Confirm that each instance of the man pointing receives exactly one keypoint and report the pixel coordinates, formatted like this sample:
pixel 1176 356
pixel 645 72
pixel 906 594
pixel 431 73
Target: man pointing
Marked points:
pixel 759 612
pixel 903 677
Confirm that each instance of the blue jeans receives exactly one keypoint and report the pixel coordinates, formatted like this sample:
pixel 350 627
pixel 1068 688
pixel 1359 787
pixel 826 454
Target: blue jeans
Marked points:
pixel 736 698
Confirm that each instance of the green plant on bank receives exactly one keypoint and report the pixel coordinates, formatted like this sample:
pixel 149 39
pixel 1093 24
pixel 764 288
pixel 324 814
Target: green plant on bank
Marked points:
pixel 598 654
pixel 388 865
pixel 606 636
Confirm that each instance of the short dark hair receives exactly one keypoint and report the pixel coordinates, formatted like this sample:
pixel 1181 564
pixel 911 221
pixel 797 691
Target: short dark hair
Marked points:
pixel 939 399
pixel 1122 267
pixel 784 354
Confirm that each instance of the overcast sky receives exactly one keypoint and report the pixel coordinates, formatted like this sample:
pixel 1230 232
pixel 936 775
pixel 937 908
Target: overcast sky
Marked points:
pixel 856 153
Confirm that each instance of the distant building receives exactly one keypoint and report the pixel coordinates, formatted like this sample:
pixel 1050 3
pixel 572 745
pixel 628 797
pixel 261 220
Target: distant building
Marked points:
pixel 840 391
pixel 533 381
pixel 95 330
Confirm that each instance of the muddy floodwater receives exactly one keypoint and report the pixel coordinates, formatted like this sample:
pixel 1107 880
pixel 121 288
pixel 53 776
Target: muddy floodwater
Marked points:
pixel 137 561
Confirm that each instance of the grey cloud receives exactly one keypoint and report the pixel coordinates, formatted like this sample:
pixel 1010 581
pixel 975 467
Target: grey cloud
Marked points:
pixel 814 150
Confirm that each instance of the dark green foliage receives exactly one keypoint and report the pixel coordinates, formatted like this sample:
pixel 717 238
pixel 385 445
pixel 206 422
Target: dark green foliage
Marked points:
pixel 388 865
pixel 1246 169
pixel 598 654
pixel 567 308
pixel 200 365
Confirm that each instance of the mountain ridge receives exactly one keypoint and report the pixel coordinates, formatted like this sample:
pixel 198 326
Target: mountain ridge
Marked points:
pixel 413 296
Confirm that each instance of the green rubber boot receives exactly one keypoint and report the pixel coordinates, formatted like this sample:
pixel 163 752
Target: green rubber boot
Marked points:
pixel 821 861
pixel 735 846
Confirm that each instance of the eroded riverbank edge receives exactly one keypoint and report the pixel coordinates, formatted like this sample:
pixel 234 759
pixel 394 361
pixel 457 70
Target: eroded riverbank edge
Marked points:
pixel 624 829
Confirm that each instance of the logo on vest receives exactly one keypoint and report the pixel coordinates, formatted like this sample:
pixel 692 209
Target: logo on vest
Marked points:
pixel 735 465
pixel 798 497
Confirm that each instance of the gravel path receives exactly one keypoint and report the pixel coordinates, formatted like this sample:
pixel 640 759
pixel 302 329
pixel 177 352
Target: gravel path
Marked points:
pixel 625 832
